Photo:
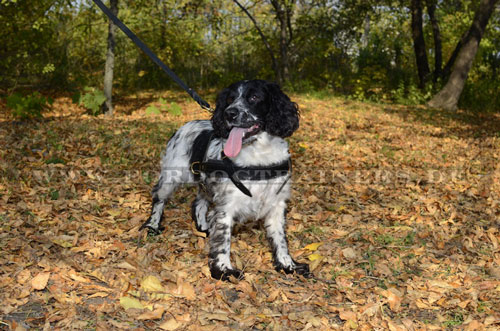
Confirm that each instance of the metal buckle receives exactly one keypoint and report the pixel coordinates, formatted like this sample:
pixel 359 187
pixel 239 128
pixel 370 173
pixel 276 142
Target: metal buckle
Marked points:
pixel 194 171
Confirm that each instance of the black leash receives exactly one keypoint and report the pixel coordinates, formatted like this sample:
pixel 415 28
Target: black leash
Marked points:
pixel 203 104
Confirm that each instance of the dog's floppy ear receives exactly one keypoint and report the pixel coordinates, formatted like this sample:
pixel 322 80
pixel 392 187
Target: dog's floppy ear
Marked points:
pixel 218 122
pixel 283 115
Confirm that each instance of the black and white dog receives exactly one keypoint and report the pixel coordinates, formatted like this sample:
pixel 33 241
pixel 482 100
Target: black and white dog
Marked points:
pixel 241 163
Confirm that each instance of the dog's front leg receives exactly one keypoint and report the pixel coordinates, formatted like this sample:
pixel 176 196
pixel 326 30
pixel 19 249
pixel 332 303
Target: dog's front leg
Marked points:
pixel 275 229
pixel 220 246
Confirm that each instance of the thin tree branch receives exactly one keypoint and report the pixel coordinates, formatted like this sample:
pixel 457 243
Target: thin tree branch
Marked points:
pixel 262 36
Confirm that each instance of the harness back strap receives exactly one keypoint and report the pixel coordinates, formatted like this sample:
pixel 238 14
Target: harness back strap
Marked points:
pixel 200 147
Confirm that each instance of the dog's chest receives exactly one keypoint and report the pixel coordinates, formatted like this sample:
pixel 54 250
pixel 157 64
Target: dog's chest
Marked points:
pixel 266 196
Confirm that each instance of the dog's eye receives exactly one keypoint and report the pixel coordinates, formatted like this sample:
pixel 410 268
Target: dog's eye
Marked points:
pixel 253 98
pixel 229 100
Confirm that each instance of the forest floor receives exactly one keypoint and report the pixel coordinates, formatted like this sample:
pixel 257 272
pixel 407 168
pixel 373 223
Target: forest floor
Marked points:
pixel 395 208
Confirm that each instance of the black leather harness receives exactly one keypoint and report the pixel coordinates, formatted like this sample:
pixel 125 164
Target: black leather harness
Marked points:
pixel 225 168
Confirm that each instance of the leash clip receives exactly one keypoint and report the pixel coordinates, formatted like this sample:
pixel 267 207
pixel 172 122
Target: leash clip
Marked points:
pixel 209 109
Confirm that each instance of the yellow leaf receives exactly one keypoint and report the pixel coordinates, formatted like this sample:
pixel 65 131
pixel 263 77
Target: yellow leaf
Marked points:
pixel 315 256
pixel 303 145
pixel 313 246
pixel 151 284
pixel 129 302
pixel 62 243
pixel 114 212
pixel 40 280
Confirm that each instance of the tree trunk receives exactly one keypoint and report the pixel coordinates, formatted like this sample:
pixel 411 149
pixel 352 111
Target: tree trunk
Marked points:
pixel 284 12
pixel 438 49
pixel 110 62
pixel 365 38
pixel 451 61
pixel 448 97
pixel 419 42
pixel 283 48
pixel 163 28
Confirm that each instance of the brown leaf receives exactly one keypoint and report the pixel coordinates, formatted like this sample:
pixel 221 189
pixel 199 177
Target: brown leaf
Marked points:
pixel 39 282
pixel 186 289
pixel 474 325
pixel 156 314
pixel 350 254
pixel 493 271
pixel 394 298
pixel 23 276
pixel 170 325
pixel 347 315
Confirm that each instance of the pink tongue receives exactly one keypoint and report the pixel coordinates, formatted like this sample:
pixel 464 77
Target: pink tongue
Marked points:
pixel 233 144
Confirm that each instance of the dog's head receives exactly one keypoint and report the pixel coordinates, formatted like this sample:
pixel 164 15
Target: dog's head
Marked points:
pixel 249 107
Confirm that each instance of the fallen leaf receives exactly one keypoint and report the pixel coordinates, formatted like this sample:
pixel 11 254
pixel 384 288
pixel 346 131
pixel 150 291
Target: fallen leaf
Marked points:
pixel 40 281
pixel 394 299
pixel 130 302
pixel 347 315
pixel 186 290
pixel 313 246
pixel 217 317
pixel 494 271
pixel 126 265
pixel 350 253
pixel 474 325
pixel 151 284
pixel 156 314
pixel 314 257
pixel 23 276
pixel 170 325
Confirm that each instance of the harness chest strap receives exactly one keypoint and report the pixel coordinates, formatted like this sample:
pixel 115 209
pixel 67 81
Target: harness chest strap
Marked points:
pixel 226 168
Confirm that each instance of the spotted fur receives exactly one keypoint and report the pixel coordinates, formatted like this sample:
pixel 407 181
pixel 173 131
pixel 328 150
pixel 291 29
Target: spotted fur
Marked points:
pixel 219 204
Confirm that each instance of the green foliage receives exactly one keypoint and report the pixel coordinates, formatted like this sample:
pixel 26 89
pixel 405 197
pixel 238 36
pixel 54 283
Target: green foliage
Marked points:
pixel 361 49
pixel 92 100
pixel 481 92
pixel 173 108
pixel 29 106
pixel 152 110
pixel 411 95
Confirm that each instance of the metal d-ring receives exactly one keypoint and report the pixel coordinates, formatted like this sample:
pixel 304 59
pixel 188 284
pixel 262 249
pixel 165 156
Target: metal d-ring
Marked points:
pixel 192 168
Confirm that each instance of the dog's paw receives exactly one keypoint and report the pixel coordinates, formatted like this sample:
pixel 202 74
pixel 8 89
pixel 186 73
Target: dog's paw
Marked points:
pixel 299 268
pixel 303 269
pixel 226 274
pixel 152 231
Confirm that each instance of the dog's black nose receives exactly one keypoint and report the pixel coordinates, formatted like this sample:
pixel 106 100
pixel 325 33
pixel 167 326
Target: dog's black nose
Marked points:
pixel 231 114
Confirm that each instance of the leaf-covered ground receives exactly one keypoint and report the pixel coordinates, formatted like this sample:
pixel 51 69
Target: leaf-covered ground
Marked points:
pixel 396 209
